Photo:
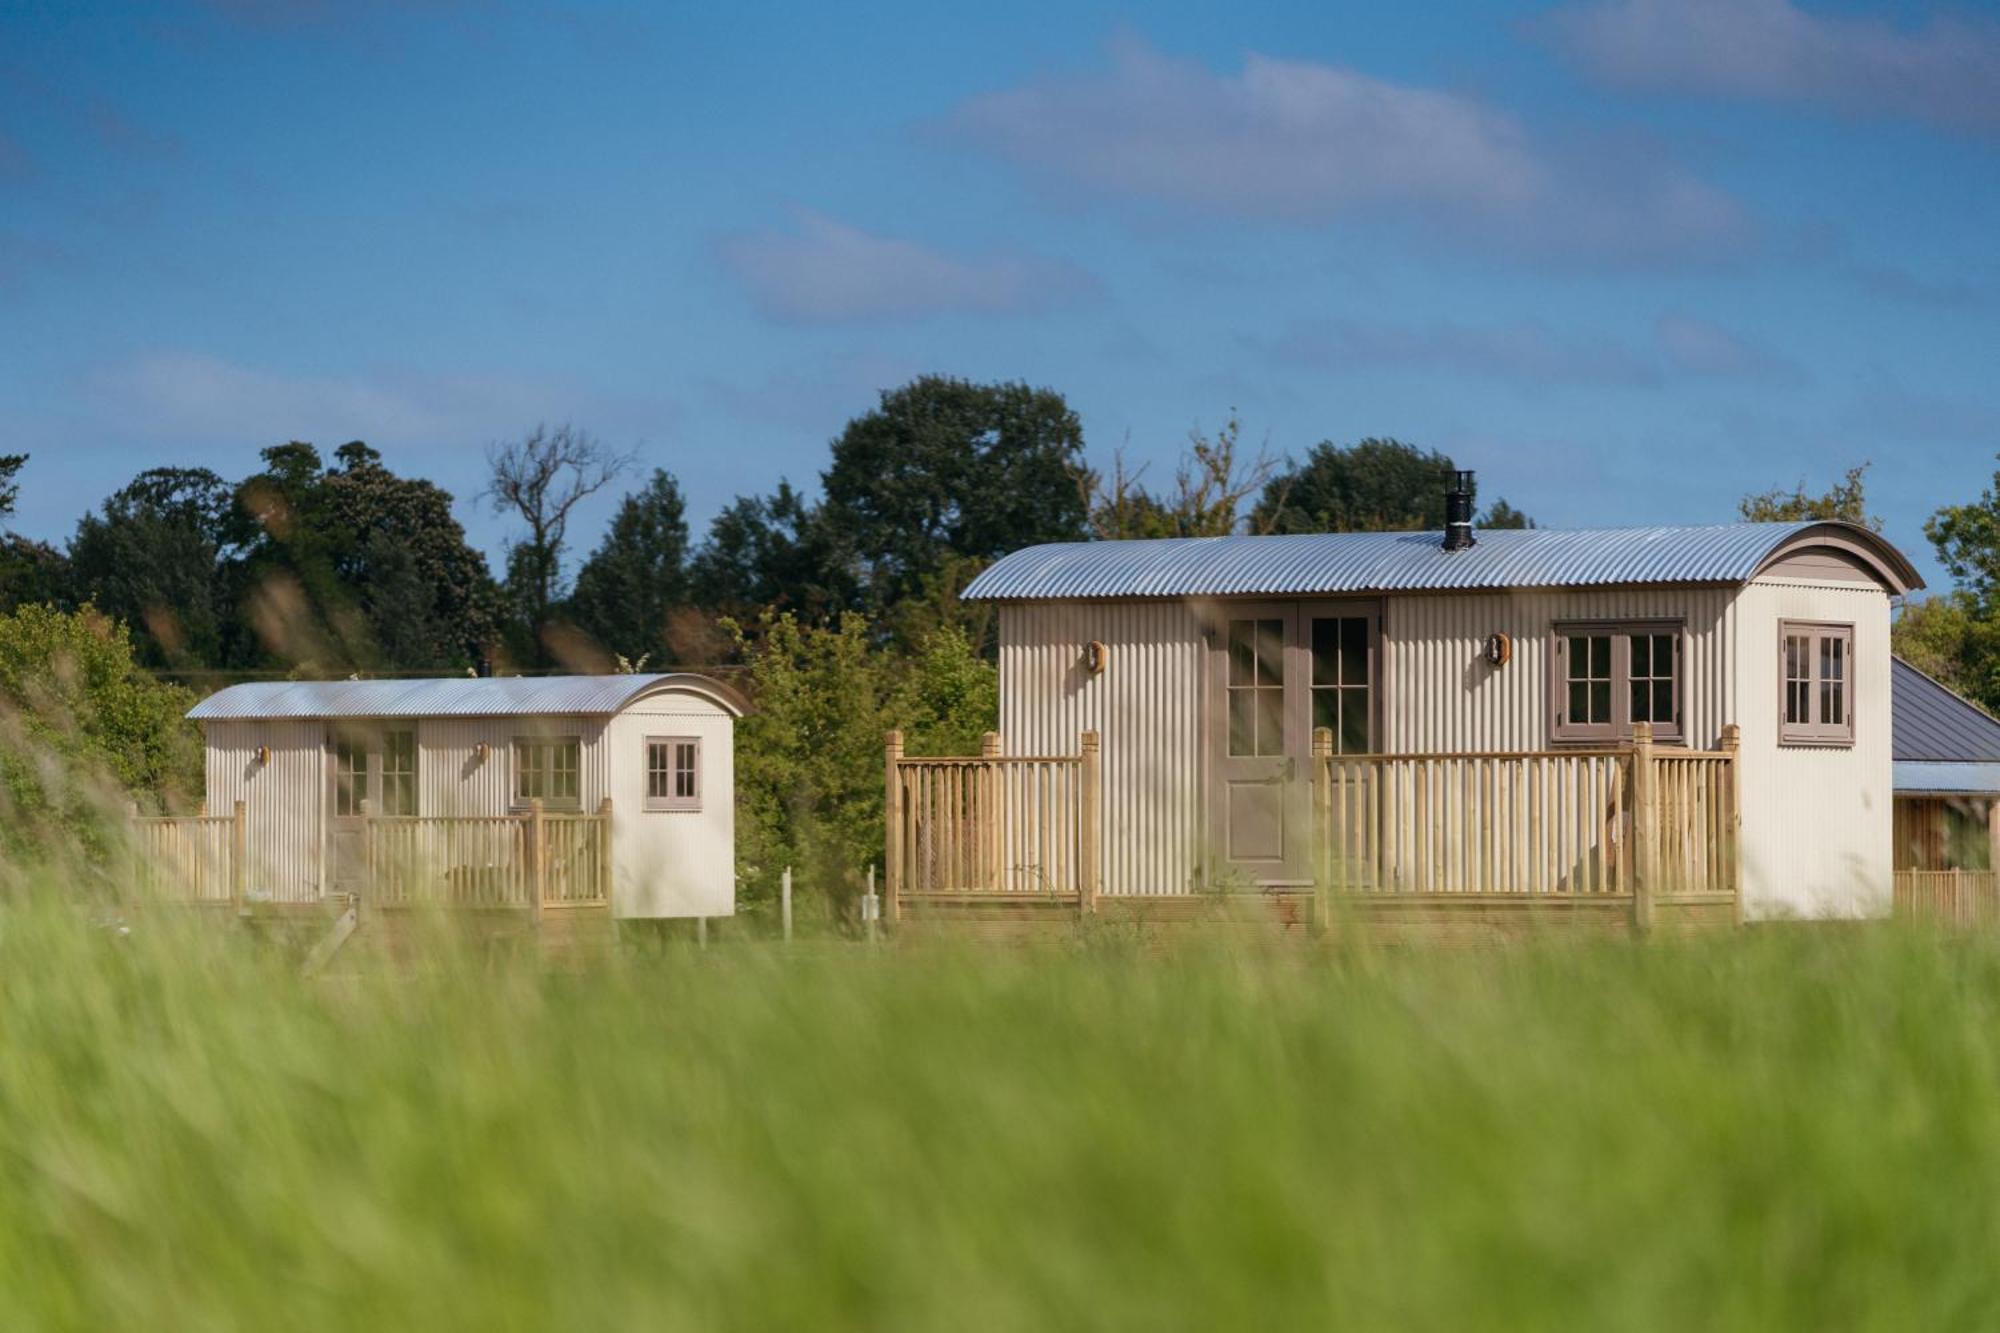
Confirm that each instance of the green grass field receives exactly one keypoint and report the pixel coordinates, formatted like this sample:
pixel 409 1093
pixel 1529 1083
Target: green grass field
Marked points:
pixel 1772 1129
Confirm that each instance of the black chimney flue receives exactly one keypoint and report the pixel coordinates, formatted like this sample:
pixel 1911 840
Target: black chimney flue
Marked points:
pixel 1458 515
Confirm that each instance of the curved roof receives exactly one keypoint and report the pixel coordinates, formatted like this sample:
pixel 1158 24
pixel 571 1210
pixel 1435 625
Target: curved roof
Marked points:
pixel 456 696
pixel 1360 562
pixel 1929 722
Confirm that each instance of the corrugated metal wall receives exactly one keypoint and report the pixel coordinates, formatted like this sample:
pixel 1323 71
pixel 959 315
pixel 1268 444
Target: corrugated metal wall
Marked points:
pixel 1147 705
pixel 283 800
pixel 453 780
pixel 1818 823
pixel 1443 697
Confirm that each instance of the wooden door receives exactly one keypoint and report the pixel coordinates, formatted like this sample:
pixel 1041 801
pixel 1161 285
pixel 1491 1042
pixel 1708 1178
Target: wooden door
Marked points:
pixel 1277 671
pixel 353 763
pixel 1258 814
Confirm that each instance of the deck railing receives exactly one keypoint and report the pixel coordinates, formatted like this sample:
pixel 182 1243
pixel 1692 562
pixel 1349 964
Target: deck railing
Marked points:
pixel 1637 822
pixel 1013 824
pixel 535 860
pixel 190 858
pixel 1953 897
pixel 1641 825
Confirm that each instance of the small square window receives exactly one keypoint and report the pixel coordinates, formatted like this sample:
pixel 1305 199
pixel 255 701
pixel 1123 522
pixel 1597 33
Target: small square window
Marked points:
pixel 673 773
pixel 1815 684
pixel 1606 677
pixel 548 770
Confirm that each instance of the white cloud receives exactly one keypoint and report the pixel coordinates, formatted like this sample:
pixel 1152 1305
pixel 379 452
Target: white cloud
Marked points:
pixel 826 271
pixel 1527 352
pixel 1696 347
pixel 195 396
pixel 1946 71
pixel 1306 143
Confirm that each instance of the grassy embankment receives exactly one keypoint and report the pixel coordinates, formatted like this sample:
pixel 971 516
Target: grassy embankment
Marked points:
pixel 1770 1129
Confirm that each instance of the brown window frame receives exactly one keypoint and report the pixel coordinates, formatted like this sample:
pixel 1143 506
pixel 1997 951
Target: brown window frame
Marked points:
pixel 398 783
pixel 1618 728
pixel 542 750
pixel 674 799
pixel 1815 731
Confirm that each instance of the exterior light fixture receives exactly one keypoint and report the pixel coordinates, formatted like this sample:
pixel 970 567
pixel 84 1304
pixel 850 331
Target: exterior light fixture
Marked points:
pixel 1499 650
pixel 1096 657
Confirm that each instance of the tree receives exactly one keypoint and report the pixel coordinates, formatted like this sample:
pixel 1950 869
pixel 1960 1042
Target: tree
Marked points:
pixel 1956 637
pixel 70 693
pixel 1210 485
pixel 637 576
pixel 946 468
pixel 1378 485
pixel 1843 501
pixel 152 557
pixel 774 552
pixel 1504 516
pixel 10 489
pixel 354 566
pixel 540 479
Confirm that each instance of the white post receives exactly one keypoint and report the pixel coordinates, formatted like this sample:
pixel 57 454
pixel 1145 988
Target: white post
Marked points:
pixel 871 906
pixel 785 901
pixel 701 932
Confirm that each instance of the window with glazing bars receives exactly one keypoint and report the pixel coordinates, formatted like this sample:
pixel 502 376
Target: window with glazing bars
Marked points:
pixel 673 773
pixel 350 777
pixel 1608 676
pixel 1816 683
pixel 399 772
pixel 1256 687
pixel 546 770
pixel 1342 684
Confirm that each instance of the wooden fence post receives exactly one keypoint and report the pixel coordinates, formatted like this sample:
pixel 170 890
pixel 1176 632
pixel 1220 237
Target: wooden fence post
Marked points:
pixel 1732 816
pixel 1090 812
pixel 1324 851
pixel 1645 831
pixel 785 901
pixel 539 869
pixel 892 828
pixel 604 876
pixel 239 852
pixel 990 811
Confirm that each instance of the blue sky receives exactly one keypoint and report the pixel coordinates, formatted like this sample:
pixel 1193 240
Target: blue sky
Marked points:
pixel 1627 258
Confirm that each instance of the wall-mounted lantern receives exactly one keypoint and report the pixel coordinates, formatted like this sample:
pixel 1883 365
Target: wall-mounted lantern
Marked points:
pixel 480 751
pixel 1096 657
pixel 263 755
pixel 1499 650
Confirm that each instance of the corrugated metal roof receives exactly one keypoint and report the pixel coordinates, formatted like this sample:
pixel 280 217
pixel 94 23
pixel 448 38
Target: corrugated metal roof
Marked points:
pixel 1932 723
pixel 450 696
pixel 1914 778
pixel 1357 562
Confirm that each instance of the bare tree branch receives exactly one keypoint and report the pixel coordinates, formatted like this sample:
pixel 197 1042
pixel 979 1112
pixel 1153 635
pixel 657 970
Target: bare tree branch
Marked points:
pixel 540 479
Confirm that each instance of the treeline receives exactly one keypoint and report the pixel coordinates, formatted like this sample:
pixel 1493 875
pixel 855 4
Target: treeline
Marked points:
pixel 328 565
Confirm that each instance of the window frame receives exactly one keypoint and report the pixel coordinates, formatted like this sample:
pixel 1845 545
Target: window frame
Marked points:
pixel 674 802
pixel 391 778
pixel 1618 730
pixel 1816 733
pixel 546 746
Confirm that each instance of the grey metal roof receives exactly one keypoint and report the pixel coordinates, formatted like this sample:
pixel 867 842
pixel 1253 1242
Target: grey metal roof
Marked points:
pixel 1929 722
pixel 1914 778
pixel 1356 562
pixel 452 696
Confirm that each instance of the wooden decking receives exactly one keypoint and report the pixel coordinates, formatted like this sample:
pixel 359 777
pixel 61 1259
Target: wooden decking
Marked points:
pixel 1628 838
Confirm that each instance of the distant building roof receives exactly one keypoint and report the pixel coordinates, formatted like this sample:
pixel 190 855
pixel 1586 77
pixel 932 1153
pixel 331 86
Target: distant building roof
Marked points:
pixel 1365 562
pixel 453 696
pixel 1916 778
pixel 1932 723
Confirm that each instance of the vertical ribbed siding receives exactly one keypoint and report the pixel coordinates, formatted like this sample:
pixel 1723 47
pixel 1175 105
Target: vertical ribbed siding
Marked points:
pixel 453 780
pixel 1441 696
pixel 1818 822
pixel 283 800
pixel 1147 705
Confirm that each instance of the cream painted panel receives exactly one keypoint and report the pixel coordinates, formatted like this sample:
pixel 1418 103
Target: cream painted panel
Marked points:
pixel 673 863
pixel 1442 696
pixel 284 800
pixel 1817 823
pixel 1147 706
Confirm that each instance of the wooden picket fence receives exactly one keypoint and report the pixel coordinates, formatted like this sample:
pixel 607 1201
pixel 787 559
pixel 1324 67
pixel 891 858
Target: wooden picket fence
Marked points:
pixel 1950 897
